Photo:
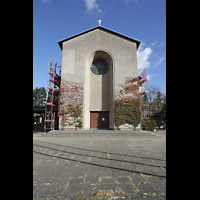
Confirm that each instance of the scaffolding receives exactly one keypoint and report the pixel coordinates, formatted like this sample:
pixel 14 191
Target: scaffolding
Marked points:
pixel 53 95
pixel 144 101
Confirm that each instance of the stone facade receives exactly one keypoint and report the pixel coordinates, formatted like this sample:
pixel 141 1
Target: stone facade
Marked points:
pixel 97 92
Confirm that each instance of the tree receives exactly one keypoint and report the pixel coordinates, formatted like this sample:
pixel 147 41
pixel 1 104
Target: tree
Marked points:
pixel 156 99
pixel 157 105
pixel 153 90
pixel 39 96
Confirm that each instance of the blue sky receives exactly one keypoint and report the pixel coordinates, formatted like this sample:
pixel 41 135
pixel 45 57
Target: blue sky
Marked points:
pixel 145 20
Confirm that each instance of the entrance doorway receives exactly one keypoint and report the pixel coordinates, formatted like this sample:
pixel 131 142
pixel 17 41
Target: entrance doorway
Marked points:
pixel 99 119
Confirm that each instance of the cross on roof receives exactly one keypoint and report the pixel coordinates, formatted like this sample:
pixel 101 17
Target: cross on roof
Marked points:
pixel 99 21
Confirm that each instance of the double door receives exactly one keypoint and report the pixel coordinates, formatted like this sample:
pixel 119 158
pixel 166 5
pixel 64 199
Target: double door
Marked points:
pixel 99 119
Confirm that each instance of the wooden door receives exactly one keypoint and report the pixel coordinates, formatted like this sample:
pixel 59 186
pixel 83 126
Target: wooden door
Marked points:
pixel 99 119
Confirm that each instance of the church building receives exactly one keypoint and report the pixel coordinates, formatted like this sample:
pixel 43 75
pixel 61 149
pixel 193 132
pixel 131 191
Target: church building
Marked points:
pixel 94 65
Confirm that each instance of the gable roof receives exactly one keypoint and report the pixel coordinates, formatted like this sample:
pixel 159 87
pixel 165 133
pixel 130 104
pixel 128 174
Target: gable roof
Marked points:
pixel 104 29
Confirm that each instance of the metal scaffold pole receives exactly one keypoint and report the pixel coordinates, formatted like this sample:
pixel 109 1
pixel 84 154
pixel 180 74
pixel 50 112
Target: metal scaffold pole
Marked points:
pixel 53 95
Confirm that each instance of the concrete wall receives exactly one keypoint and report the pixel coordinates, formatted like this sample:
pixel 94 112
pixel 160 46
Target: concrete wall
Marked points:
pixel 101 87
pixel 77 57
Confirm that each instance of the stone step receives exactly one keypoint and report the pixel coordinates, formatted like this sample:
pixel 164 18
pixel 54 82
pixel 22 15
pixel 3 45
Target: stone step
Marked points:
pixel 98 133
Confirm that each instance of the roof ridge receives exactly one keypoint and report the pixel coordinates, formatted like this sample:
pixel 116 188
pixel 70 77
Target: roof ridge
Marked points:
pixel 138 42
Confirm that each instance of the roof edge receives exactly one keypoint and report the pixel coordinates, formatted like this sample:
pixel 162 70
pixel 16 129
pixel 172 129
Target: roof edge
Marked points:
pixel 138 42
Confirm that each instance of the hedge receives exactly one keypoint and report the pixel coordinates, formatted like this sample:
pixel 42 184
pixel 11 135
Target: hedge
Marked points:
pixel 128 110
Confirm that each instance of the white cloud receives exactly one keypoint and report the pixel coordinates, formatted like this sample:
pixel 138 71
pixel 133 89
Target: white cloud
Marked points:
pixel 159 61
pixel 142 45
pixel 149 77
pixel 154 43
pixel 135 1
pixel 92 6
pixel 161 44
pixel 157 44
pixel 143 56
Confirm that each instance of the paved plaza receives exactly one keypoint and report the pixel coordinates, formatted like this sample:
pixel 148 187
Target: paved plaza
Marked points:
pixel 99 165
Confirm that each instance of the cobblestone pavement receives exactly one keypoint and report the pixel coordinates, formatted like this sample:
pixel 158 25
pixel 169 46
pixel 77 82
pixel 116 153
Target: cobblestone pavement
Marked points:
pixel 99 167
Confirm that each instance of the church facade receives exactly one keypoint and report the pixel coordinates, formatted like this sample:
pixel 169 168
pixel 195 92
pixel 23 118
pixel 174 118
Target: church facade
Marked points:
pixel 94 65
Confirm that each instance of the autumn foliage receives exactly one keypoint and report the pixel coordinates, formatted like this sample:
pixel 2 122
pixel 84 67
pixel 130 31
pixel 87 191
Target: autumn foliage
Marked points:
pixel 128 104
pixel 71 105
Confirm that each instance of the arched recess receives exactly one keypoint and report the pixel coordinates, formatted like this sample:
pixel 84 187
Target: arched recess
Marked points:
pixel 98 90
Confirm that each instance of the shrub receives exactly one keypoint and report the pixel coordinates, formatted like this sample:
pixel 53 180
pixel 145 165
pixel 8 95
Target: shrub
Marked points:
pixel 71 115
pixel 79 123
pixel 150 124
pixel 63 121
pixel 127 110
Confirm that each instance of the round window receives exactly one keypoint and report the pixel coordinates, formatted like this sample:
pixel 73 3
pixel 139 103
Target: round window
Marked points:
pixel 99 66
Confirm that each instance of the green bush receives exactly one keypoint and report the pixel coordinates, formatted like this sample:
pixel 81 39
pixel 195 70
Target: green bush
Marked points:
pixel 127 110
pixel 150 124
pixel 79 123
